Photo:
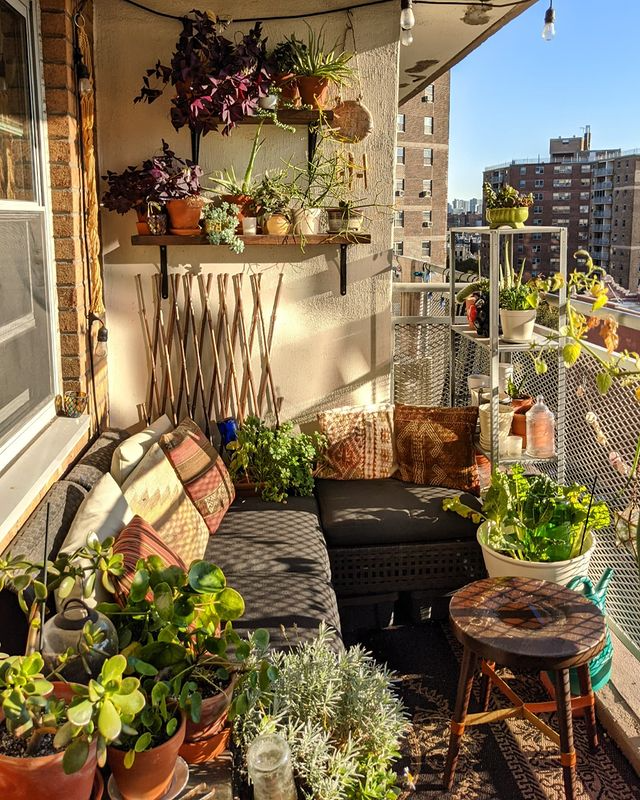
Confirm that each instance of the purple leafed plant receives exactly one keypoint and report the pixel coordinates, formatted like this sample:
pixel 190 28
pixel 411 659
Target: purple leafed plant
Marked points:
pixel 130 189
pixel 173 178
pixel 216 80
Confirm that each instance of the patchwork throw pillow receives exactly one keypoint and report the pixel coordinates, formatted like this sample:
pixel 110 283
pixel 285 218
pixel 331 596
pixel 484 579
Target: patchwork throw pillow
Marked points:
pixel 139 540
pixel 130 453
pixel 435 446
pixel 202 471
pixel 360 443
pixel 154 492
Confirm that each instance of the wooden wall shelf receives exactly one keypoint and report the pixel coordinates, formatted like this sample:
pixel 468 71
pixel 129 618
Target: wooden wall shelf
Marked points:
pixel 319 240
pixel 290 116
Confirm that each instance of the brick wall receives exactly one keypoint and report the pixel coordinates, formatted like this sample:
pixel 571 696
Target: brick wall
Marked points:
pixel 57 28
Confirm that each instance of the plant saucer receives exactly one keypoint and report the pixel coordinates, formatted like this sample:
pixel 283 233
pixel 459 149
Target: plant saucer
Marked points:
pixel 180 780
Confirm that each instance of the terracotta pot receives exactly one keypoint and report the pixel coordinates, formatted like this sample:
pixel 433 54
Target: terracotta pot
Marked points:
pixel 244 202
pixel 43 778
pixel 212 716
pixel 184 214
pixel 152 771
pixel 288 85
pixel 276 224
pixel 98 786
pixel 313 91
pixel 142 226
pixel 207 749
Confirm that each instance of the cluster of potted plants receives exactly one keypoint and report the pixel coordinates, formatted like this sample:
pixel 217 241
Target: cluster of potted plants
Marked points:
pixel 180 671
pixel 534 527
pixel 507 206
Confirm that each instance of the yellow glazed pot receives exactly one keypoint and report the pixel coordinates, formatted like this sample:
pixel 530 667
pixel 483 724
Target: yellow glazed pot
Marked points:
pixel 511 217
pixel 276 224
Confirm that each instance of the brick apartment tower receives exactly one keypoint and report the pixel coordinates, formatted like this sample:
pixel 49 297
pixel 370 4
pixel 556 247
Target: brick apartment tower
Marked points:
pixel 422 165
pixel 595 194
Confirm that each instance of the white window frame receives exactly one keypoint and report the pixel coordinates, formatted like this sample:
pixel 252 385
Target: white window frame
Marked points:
pixel 46 412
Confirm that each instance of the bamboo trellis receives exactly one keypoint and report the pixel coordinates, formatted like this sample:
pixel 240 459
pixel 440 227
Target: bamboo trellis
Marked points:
pixel 209 348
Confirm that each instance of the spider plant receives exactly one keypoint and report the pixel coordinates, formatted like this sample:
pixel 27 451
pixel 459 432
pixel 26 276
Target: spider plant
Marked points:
pixel 313 60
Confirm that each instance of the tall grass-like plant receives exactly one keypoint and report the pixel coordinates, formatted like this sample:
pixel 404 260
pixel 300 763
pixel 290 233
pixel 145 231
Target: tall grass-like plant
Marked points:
pixel 339 715
pixel 313 60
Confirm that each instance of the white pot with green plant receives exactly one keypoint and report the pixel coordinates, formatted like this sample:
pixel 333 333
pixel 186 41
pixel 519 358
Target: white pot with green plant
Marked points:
pixel 534 527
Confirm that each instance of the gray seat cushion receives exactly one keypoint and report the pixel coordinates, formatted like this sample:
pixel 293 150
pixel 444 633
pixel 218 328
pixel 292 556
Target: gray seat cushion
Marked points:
pixel 299 603
pixel 387 512
pixel 64 499
pixel 270 538
pixel 97 460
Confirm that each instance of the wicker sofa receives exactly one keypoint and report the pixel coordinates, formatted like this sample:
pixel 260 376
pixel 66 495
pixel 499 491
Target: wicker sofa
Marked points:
pixel 356 543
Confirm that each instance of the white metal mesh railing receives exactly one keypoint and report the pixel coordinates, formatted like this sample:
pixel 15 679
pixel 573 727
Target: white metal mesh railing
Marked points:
pixel 421 376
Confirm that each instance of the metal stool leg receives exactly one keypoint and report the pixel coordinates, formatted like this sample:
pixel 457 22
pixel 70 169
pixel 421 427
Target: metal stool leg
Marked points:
pixel 565 722
pixel 465 684
pixel 485 688
pixel 590 711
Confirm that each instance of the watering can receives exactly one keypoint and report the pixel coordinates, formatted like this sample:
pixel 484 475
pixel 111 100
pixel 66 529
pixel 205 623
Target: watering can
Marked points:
pixel 600 666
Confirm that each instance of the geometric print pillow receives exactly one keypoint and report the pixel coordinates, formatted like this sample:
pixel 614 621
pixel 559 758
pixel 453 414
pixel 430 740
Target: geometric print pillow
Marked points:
pixel 435 446
pixel 202 471
pixel 360 443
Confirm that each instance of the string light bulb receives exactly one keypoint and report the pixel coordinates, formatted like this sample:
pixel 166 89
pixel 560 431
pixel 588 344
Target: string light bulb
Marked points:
pixel 407 21
pixel 406 38
pixel 549 30
pixel 102 337
pixel 83 75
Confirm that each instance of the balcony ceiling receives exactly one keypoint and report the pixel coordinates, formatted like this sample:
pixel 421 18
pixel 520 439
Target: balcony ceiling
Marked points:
pixel 443 35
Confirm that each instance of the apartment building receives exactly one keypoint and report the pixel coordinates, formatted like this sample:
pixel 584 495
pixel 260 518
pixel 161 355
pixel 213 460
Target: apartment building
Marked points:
pixel 422 164
pixel 593 193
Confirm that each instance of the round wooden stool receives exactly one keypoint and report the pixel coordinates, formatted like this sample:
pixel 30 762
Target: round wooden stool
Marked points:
pixel 525 625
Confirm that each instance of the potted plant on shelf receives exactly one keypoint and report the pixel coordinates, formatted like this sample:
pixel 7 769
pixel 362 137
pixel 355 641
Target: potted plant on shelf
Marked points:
pixel 519 301
pixel 281 65
pixel 241 193
pixel 533 527
pixel 311 185
pixel 221 225
pixel 217 81
pixel 315 67
pixel 506 206
pixel 521 403
pixel 131 190
pixel 176 182
pixel 273 199
pixel 274 459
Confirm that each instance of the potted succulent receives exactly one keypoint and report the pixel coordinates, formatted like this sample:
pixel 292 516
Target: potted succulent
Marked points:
pixel 533 527
pixel 521 403
pixel 519 301
pixel 240 192
pixel 221 225
pixel 176 182
pixel 316 67
pixel 274 459
pixel 281 66
pixel 506 206
pixel 217 81
pixel 54 735
pixel 273 198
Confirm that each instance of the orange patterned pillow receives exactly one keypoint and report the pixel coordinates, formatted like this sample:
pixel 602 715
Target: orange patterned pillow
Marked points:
pixel 360 443
pixel 435 446
pixel 202 471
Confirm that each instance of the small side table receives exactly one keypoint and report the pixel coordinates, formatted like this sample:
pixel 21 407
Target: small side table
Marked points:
pixel 529 625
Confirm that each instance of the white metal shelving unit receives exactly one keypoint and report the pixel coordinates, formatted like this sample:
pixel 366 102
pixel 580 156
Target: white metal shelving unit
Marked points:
pixel 499 351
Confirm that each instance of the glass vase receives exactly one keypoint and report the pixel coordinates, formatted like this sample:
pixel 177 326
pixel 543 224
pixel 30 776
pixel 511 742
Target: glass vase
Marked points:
pixel 270 770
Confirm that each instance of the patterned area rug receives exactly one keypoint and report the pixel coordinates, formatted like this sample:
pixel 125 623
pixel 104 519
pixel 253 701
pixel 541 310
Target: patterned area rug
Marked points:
pixel 503 761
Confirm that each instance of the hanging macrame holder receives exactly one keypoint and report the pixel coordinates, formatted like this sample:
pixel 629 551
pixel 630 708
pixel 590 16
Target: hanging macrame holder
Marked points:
pixel 352 120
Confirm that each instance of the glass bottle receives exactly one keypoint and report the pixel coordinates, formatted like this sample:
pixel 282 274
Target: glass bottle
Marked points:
pixel 541 426
pixel 270 770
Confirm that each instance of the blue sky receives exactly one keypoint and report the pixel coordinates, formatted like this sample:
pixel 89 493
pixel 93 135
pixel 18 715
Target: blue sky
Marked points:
pixel 516 91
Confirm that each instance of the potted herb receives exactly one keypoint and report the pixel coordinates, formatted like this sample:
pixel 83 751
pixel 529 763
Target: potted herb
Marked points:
pixel 521 402
pixel 176 182
pixel 273 198
pixel 240 192
pixel 54 735
pixel 281 66
pixel 533 527
pixel 217 81
pixel 274 459
pixel 221 225
pixel 506 206
pixel 315 67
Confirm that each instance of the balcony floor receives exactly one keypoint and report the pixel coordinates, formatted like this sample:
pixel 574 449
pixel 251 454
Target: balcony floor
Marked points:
pixel 504 761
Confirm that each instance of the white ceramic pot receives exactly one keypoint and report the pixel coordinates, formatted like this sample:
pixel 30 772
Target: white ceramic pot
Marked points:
pixel 501 566
pixel 517 326
pixel 270 102
pixel 505 418
pixel 306 221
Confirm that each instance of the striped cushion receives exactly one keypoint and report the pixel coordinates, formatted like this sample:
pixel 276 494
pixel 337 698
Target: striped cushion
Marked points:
pixel 139 540
pixel 202 471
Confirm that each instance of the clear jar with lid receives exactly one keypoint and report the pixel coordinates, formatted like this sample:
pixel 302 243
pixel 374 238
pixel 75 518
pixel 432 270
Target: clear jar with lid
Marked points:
pixel 541 425
pixel 269 767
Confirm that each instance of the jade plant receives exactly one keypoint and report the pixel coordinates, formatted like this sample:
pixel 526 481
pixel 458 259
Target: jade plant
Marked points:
pixel 278 461
pixel 98 712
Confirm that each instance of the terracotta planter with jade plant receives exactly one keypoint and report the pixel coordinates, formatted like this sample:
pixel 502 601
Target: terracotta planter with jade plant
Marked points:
pixel 208 738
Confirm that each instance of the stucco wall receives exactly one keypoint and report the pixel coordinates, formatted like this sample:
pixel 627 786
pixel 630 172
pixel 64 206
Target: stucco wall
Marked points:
pixel 328 350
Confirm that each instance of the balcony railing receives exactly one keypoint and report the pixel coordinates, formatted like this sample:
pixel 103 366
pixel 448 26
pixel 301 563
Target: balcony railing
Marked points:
pixel 602 200
pixel 602 184
pixel 602 240
pixel 605 214
pixel 601 226
pixel 421 376
pixel 602 171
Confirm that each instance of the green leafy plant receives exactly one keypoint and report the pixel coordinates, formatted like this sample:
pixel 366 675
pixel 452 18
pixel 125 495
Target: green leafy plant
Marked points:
pixel 227 182
pixel 505 197
pixel 275 459
pixel 339 715
pixel 516 390
pixel 273 194
pixel 313 58
pixel 221 223
pixel 533 518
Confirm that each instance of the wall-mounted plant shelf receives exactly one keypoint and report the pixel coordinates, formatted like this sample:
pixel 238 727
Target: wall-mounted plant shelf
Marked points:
pixel 319 240
pixel 290 116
